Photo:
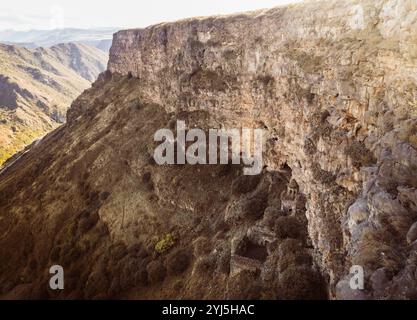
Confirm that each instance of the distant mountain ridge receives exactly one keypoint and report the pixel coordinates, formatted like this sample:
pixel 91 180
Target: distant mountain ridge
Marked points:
pixel 85 60
pixel 100 38
pixel 37 87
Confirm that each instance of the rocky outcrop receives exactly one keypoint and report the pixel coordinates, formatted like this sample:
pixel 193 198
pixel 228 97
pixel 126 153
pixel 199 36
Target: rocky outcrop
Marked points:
pixel 333 83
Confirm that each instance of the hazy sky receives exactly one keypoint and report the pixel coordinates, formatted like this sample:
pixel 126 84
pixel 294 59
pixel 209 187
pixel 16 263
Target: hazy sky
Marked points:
pixel 50 14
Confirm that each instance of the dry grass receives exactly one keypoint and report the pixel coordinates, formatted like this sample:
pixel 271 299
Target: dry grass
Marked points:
pixel 20 139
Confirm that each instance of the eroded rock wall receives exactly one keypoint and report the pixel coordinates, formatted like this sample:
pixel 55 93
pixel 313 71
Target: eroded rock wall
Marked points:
pixel 334 84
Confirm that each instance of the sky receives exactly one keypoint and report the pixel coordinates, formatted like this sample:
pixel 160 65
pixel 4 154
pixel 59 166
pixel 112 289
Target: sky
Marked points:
pixel 53 14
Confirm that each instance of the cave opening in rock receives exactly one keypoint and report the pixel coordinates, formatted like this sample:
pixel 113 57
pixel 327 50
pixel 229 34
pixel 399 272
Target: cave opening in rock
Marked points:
pixel 251 250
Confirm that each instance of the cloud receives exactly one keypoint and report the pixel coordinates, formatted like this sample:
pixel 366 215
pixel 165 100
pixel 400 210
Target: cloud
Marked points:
pixel 48 14
pixel 19 21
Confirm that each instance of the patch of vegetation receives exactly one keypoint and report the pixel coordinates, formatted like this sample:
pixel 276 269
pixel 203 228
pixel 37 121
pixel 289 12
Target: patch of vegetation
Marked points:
pixel 413 141
pixel 88 221
pixel 292 253
pixel 360 155
pixel 156 272
pixel 301 283
pixel 244 286
pixel 178 261
pixel 377 250
pixel 136 104
pixel 205 265
pixel 288 227
pixel 208 80
pixel 245 184
pixel 323 176
pixel 118 250
pixel 165 244
pixel 320 125
pixel 231 55
pixel 254 207
pixel 309 147
pixel 266 80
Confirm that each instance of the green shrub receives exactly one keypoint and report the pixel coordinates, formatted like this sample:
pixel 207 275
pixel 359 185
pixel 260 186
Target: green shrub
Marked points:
pixel 165 244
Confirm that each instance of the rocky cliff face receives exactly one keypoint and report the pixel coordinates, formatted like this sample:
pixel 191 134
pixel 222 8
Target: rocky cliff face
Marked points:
pixel 333 83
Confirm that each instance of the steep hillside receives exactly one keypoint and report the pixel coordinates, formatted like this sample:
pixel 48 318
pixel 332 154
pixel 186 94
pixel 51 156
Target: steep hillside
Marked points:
pixel 37 86
pixel 332 83
pixel 86 61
